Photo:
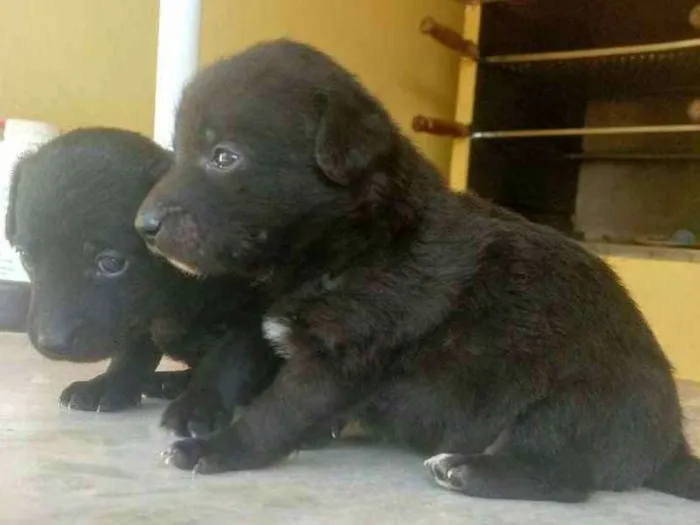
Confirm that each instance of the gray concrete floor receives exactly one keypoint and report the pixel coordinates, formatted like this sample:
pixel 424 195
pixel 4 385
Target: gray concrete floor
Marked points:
pixel 77 468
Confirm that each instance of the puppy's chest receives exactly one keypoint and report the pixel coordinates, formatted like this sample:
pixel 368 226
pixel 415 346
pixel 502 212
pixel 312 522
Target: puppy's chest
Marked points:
pixel 165 332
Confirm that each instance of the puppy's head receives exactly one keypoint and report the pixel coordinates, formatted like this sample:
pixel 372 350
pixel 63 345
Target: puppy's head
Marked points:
pixel 264 141
pixel 72 203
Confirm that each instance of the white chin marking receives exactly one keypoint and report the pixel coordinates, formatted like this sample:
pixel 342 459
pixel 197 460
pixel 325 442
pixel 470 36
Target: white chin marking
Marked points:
pixel 154 250
pixel 276 331
pixel 189 270
pixel 183 267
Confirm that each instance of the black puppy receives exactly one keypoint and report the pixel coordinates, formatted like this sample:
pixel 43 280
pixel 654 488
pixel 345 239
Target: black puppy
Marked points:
pixel 499 345
pixel 97 291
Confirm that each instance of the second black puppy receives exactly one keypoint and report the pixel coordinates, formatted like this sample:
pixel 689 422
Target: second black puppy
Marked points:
pixel 499 345
pixel 97 291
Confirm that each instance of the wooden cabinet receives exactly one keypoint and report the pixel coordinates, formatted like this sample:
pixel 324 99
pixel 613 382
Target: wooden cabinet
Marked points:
pixel 585 116
pixel 570 108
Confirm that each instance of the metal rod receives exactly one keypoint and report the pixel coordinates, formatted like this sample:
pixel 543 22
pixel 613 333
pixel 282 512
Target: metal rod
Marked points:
pixel 642 157
pixel 575 132
pixel 644 49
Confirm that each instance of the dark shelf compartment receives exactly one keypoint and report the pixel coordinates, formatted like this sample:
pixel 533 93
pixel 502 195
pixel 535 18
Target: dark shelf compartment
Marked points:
pixel 581 106
pixel 561 25
pixel 612 72
pixel 617 156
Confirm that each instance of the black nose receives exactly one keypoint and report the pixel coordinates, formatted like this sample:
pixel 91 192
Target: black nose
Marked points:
pixel 148 223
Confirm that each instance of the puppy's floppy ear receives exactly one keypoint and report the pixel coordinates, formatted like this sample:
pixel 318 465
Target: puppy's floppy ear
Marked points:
pixel 10 217
pixel 353 138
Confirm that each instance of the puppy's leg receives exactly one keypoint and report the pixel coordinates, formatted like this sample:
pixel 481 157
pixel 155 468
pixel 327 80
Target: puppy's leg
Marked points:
pixel 237 365
pixel 561 447
pixel 232 374
pixel 120 387
pixel 337 340
pixel 508 477
pixel 167 385
pixel 303 395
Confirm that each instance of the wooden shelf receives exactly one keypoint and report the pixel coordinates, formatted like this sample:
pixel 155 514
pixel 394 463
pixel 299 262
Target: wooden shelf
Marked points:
pixel 634 157
pixel 581 132
pixel 626 51
pixel 618 70
pixel 635 251
pixel 563 25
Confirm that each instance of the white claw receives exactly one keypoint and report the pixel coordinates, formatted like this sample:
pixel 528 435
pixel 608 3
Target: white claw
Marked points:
pixel 166 456
pixel 433 463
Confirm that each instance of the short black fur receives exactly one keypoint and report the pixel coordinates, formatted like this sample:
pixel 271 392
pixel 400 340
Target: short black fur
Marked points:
pixel 71 213
pixel 501 346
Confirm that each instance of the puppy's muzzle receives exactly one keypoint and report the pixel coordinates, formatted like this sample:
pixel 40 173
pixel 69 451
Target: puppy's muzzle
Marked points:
pixel 54 344
pixel 171 234
pixel 57 338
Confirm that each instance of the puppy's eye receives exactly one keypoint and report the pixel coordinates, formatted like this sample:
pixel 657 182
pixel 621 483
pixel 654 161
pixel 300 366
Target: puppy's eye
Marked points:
pixel 111 263
pixel 224 157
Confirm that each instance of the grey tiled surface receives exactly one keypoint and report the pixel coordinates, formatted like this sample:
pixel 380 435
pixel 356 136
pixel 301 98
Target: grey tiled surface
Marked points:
pixel 61 467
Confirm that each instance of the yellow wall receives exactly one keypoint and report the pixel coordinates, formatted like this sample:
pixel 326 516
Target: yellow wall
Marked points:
pixel 668 293
pixel 79 62
pixel 376 39
pixel 92 62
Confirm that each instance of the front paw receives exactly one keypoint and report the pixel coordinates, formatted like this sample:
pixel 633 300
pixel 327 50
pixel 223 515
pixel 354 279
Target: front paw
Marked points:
pixel 196 455
pixel 184 454
pixel 196 413
pixel 220 452
pixel 100 395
